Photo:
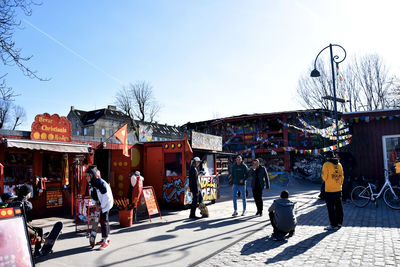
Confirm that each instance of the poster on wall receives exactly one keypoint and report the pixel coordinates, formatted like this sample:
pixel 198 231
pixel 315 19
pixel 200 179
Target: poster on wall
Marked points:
pixel 145 133
pixel 54 199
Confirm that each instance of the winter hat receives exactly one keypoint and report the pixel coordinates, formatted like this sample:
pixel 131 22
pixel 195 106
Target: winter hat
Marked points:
pixel 24 190
pixel 329 154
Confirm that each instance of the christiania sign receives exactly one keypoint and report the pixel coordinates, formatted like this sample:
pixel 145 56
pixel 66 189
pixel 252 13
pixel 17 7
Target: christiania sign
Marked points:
pixel 51 128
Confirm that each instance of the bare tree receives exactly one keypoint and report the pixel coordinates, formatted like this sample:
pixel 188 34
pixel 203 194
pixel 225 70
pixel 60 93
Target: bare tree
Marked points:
pixel 313 91
pixel 18 116
pixel 365 84
pixel 137 102
pixel 7 96
pixel 9 22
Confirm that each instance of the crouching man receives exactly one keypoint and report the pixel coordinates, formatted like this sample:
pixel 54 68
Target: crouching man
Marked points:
pixel 282 216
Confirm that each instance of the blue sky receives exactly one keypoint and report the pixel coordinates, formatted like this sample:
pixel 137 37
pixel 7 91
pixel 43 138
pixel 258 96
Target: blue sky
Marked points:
pixel 203 58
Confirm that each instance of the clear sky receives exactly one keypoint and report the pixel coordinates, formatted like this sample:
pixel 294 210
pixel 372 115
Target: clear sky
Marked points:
pixel 203 58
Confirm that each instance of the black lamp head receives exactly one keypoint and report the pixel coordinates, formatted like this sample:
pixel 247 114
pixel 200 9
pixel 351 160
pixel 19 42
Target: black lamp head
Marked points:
pixel 315 73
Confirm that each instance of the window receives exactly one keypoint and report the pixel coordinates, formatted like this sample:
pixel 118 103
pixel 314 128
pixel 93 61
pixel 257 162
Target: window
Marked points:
pixel 173 164
pixel 77 132
pixel 84 131
pixel 111 122
pixel 111 132
pixel 52 166
pixel 103 131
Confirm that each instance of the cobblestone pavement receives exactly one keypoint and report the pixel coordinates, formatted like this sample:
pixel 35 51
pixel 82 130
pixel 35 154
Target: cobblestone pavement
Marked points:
pixel 370 236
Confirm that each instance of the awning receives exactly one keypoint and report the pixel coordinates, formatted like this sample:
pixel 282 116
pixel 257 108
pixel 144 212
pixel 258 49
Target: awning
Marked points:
pixel 48 146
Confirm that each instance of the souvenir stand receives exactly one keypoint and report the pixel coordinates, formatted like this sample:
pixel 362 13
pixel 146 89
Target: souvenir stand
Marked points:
pixel 43 158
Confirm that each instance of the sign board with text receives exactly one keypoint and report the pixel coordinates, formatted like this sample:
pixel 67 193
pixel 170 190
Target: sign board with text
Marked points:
pixel 150 200
pixel 48 127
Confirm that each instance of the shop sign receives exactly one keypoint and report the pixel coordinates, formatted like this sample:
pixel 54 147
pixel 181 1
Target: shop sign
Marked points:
pixel 208 186
pixel 149 198
pixel 54 199
pixel 206 141
pixel 51 128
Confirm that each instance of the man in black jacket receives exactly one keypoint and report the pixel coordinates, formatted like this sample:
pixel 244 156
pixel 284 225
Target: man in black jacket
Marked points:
pixel 194 187
pixel 260 179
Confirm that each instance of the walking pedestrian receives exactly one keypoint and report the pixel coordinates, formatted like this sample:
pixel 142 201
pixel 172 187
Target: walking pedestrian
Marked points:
pixel 194 186
pixel 259 180
pixel 101 193
pixel 332 174
pixel 282 216
pixel 239 177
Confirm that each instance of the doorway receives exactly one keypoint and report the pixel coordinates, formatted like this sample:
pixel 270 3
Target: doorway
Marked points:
pixel 102 161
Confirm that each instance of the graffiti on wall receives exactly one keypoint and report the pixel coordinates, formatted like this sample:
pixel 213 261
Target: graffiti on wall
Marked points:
pixel 174 190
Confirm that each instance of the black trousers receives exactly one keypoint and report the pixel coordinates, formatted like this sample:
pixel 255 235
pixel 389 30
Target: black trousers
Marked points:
pixel 196 199
pixel 335 207
pixel 257 195
pixel 104 223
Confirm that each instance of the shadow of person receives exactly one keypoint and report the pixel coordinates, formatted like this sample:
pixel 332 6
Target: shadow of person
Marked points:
pixel 260 245
pixel 299 248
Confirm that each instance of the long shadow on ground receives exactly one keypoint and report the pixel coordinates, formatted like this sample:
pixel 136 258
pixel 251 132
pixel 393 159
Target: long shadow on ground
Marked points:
pixel 298 248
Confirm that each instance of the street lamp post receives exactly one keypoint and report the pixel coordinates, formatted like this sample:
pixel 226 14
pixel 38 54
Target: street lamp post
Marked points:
pixel 316 73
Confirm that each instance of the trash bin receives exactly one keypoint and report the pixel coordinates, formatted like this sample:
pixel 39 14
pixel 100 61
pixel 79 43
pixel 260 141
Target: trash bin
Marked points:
pixel 125 217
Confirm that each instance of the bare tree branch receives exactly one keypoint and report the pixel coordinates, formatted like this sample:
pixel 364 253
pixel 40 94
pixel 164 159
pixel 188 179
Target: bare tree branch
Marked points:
pixel 18 116
pixel 137 102
pixel 9 54
pixel 364 82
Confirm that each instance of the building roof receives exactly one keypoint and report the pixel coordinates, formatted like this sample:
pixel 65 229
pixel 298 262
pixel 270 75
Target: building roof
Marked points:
pixel 90 117
pixel 377 112
pixel 160 130
pixel 256 115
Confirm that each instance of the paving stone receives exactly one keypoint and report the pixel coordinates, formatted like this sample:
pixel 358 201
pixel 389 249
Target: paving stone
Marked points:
pixel 370 237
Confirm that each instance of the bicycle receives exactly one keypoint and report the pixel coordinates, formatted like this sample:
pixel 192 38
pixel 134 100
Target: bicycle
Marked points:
pixel 361 195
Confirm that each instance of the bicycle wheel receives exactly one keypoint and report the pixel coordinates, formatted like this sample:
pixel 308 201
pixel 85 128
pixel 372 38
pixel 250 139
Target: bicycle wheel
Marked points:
pixel 392 200
pixel 360 196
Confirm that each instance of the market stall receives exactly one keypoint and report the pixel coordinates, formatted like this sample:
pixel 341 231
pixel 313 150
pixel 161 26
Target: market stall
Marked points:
pixel 166 166
pixel 45 160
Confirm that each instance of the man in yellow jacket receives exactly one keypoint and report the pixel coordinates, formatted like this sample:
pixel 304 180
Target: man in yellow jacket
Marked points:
pixel 332 174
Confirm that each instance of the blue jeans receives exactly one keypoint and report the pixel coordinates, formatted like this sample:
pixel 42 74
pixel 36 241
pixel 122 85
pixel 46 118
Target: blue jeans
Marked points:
pixel 241 188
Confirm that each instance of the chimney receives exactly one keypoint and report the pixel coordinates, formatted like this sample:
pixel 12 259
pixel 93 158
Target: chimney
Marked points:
pixel 111 107
pixel 72 108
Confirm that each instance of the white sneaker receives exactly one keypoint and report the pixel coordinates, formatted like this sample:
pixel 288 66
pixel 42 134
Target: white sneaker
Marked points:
pixel 244 213
pixel 235 213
